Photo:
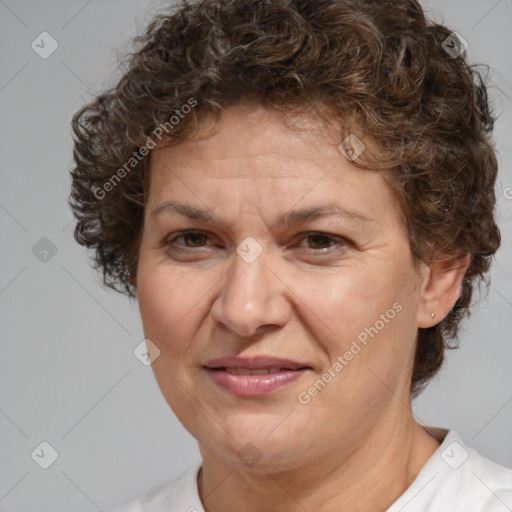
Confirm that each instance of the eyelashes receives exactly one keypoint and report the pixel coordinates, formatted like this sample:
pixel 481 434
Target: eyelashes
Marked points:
pixel 191 234
pixel 194 241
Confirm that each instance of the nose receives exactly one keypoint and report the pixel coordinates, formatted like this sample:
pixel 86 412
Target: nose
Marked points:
pixel 251 299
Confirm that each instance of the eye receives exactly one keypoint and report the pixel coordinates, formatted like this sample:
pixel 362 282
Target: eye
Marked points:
pixel 191 239
pixel 319 241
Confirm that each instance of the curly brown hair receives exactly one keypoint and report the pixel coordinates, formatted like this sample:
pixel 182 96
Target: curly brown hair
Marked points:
pixel 378 69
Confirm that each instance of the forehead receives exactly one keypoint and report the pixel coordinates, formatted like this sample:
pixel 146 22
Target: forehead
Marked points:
pixel 254 133
pixel 258 158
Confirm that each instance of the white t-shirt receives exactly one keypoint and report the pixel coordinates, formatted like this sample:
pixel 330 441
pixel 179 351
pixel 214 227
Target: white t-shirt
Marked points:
pixel 455 479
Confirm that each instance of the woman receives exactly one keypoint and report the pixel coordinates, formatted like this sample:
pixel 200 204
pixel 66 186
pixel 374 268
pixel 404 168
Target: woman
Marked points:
pixel 300 195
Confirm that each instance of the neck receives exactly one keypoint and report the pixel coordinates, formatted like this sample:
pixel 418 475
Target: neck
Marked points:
pixel 371 477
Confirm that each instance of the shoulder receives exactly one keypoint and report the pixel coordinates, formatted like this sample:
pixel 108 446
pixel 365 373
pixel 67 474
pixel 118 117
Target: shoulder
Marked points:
pixel 180 494
pixel 458 478
pixel 483 484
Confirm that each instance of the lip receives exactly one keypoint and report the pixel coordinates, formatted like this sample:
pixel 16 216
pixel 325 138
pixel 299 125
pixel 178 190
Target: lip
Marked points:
pixel 254 385
pixel 255 363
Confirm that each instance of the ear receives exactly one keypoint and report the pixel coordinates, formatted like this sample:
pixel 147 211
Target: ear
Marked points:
pixel 441 289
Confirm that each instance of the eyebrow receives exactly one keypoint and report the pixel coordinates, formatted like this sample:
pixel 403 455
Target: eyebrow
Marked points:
pixel 288 219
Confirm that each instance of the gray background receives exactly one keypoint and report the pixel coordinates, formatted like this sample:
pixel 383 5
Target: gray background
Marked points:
pixel 68 373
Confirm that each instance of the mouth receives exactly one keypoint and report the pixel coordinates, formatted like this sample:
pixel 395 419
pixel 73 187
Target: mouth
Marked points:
pixel 260 371
pixel 254 377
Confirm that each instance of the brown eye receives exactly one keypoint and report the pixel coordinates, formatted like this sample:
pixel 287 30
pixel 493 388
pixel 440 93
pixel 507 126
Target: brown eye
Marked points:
pixel 187 240
pixel 320 239
pixel 194 238
pixel 322 245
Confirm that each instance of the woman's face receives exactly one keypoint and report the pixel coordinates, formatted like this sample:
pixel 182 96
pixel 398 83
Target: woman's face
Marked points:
pixel 334 292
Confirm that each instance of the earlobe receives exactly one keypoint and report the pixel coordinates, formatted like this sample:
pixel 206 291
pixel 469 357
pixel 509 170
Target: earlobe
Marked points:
pixel 442 290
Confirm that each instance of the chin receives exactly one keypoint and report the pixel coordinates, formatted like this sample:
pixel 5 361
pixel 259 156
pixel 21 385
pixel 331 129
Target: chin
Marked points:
pixel 254 443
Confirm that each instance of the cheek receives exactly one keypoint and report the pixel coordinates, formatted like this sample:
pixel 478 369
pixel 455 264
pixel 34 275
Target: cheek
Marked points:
pixel 369 305
pixel 343 304
pixel 166 301
pixel 165 297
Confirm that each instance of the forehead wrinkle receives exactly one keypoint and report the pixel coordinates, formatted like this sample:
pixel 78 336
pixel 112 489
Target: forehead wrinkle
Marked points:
pixel 288 219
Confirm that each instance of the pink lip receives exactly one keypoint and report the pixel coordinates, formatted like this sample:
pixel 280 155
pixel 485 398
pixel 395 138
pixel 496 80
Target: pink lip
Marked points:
pixel 254 385
pixel 255 363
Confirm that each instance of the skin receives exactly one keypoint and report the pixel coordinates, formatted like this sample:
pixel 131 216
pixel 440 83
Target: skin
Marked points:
pixel 356 445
